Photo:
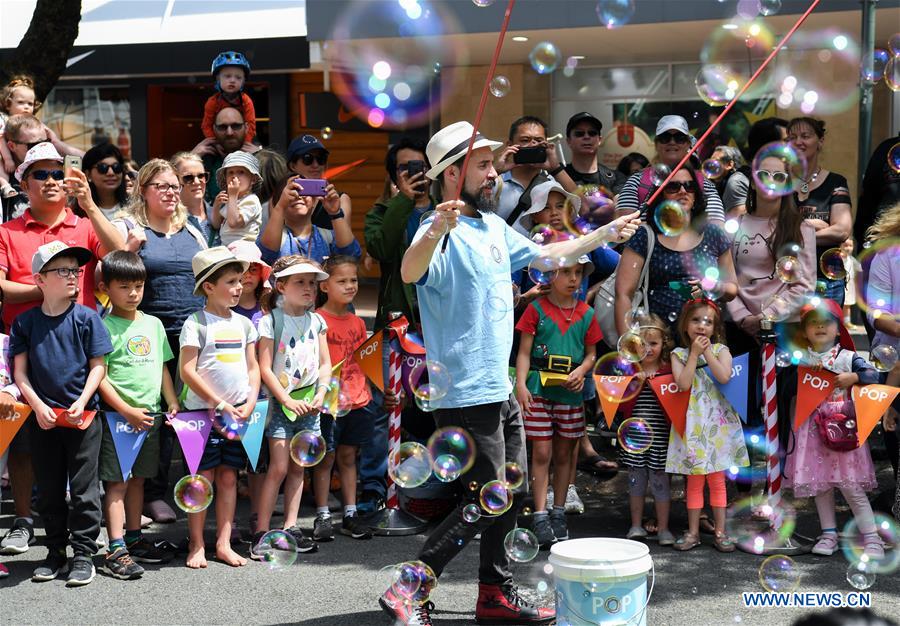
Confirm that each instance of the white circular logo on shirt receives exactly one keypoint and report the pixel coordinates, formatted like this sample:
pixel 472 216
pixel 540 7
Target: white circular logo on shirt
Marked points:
pixel 495 253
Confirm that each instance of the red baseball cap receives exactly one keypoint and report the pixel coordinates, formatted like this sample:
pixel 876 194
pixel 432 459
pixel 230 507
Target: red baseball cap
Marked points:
pixel 829 307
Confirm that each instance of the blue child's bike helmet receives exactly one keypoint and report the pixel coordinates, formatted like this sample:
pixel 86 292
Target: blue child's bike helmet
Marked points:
pixel 230 58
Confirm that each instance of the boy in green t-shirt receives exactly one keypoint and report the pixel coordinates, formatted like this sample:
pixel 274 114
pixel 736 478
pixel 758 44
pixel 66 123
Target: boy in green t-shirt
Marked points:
pixel 556 351
pixel 135 374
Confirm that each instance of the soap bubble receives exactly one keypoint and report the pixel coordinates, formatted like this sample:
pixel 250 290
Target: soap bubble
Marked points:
pixel 776 308
pixel 883 357
pixel 495 497
pixel 893 158
pixel 229 425
pixel 610 368
pixel 537 584
pixel 750 524
pixel 326 133
pixel 307 448
pixel 860 576
pixel 832 264
pixel 892 73
pixel 717 84
pixel 615 13
pixel 430 380
pixel 446 468
pixel 779 573
pixel 778 169
pixel 723 57
pixel 769 7
pixel 193 493
pixel 787 269
pixel 499 86
pixel 544 57
pixel 597 209
pixel 659 172
pixel 512 475
pixel 521 545
pixel 880 58
pixel 542 234
pixel 482 3
pixel 671 218
pixel 853 544
pixel 713 168
pixel 633 318
pixel 278 549
pixel 635 435
pixel 410 465
pixel 539 272
pixel 453 441
pixel 471 513
pixel 336 402
pixel 894 44
pixel 631 345
pixel 413 581
pixel 782 358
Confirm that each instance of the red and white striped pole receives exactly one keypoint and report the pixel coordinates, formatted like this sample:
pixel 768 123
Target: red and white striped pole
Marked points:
pixel 773 455
pixel 394 384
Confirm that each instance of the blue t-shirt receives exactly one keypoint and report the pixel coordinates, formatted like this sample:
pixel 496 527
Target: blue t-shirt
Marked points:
pixel 465 332
pixel 317 246
pixel 59 349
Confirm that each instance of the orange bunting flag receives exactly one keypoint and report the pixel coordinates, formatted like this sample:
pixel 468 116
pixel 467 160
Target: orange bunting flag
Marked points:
pixel 62 419
pixel 370 358
pixel 674 402
pixel 871 402
pixel 813 386
pixel 610 390
pixel 9 426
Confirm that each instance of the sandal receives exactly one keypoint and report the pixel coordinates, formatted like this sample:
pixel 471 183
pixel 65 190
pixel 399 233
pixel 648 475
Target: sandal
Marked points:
pixel 687 542
pixel 650 525
pixel 723 543
pixel 706 525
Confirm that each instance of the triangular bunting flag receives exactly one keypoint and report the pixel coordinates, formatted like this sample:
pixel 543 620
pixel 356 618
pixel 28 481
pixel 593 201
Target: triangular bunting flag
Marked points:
pixel 192 428
pixel 62 421
pixel 253 432
pixel 10 426
pixel 370 358
pixel 674 402
pixel 408 362
pixel 307 393
pixel 813 386
pixel 735 390
pixel 871 402
pixel 609 391
pixel 410 343
pixel 126 440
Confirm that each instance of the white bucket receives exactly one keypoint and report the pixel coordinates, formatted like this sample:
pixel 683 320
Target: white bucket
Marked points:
pixel 601 580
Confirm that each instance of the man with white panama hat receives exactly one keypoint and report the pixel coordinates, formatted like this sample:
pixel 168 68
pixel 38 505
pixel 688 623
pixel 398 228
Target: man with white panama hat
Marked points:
pixel 457 289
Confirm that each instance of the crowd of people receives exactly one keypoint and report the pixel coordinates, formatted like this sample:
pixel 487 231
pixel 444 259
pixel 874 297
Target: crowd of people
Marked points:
pixel 227 274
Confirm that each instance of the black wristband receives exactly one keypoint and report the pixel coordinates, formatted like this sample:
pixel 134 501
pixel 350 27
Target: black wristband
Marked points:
pixel 337 215
pixel 557 170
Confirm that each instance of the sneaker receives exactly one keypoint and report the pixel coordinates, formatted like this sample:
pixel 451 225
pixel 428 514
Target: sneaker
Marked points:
pixel 54 565
pixel 558 524
pixel 19 537
pixel 638 532
pixel 544 532
pixel 4 572
pixel 304 543
pixel 119 564
pixel 403 612
pixel 502 604
pixel 142 551
pixel 369 502
pixel 323 529
pixel 82 572
pixel 574 505
pixel 352 526
pixel 826 545
pixel 665 537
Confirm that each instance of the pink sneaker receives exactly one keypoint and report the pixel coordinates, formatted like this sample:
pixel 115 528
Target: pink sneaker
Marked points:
pixel 826 545
pixel 873 546
pixel 3 571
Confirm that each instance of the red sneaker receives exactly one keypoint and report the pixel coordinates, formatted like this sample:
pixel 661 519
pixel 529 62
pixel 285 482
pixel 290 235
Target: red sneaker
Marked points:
pixel 504 605
pixel 3 571
pixel 405 613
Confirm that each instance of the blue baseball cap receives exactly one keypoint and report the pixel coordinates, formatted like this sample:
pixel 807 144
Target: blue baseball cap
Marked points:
pixel 303 144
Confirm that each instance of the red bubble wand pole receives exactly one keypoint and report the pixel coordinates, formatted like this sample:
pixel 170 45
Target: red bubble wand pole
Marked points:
pixel 484 97
pixel 734 100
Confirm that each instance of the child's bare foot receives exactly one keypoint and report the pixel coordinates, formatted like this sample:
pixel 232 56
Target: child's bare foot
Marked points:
pixel 196 558
pixel 228 556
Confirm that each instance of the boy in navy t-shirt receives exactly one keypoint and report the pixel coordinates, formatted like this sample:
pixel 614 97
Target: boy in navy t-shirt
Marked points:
pixel 58 352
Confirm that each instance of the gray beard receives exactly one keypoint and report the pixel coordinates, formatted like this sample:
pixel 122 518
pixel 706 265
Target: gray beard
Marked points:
pixel 483 203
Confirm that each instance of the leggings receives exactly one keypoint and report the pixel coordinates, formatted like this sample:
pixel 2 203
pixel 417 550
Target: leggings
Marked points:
pixel 659 483
pixel 859 504
pixel 717 497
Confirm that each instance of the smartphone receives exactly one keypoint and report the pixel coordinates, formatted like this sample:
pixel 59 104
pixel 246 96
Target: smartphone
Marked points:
pixel 71 162
pixel 531 155
pixel 415 167
pixel 313 186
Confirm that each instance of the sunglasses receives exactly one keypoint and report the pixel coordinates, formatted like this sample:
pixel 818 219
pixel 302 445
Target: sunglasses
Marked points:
pixel 65 272
pixel 309 157
pixel 29 145
pixel 131 174
pixel 677 185
pixel 766 177
pixel 669 137
pixel 235 127
pixel 103 168
pixel 188 179
pixel 43 175
pixel 582 133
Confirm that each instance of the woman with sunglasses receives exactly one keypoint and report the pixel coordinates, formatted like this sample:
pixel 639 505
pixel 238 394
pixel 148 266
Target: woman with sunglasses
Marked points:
pixel 677 261
pixel 131 172
pixel 308 158
pixel 823 198
pixel 104 166
pixel 193 178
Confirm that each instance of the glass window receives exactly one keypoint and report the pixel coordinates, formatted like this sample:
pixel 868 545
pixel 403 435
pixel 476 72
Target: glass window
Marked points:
pixel 612 82
pixel 87 116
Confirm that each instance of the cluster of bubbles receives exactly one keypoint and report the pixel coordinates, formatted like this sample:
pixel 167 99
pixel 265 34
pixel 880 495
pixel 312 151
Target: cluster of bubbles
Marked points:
pixel 778 573
pixel 885 64
pixel 389 85
pixel 453 452
pixel 817 92
pixel 193 493
pixel 429 381
pixel 277 549
pixel 778 170
pixel 307 448
pixel 635 435
pixel 751 525
pixel 412 582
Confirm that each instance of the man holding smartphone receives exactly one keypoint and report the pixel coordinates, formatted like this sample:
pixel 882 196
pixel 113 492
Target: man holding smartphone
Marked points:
pixel 527 161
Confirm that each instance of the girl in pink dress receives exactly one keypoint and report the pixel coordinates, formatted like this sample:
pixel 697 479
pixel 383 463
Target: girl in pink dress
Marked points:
pixel 814 468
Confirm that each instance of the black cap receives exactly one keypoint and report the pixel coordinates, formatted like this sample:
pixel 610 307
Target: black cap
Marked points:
pixel 303 144
pixel 584 116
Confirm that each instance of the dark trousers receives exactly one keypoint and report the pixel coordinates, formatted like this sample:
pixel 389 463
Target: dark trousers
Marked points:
pixel 68 456
pixel 157 488
pixel 499 435
pixel 373 454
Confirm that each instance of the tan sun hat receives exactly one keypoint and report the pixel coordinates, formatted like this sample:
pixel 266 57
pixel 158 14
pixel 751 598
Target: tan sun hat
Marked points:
pixel 207 261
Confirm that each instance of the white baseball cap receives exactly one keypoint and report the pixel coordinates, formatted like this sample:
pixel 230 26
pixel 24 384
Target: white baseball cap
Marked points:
pixel 43 151
pixel 53 249
pixel 674 122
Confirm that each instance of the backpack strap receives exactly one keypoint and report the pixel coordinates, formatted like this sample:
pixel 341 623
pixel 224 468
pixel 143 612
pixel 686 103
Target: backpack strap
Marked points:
pixel 200 318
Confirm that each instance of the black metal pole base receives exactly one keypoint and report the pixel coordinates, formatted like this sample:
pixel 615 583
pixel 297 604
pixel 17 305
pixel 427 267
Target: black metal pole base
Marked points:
pixel 394 523
pixel 773 543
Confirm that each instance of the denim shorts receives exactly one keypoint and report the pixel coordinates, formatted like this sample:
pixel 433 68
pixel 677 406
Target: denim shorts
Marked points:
pixel 280 427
